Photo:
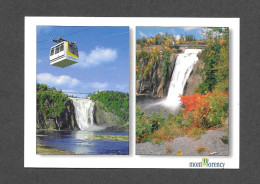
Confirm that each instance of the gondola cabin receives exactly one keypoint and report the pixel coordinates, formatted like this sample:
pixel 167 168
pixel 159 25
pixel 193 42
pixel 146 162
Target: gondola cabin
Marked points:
pixel 64 54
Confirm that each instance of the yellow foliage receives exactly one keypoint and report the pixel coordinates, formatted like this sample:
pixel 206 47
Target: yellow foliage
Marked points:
pixel 179 152
pixel 151 41
pixel 222 42
pixel 201 149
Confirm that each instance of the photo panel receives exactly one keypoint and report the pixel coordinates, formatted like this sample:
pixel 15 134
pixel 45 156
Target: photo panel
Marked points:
pixel 82 90
pixel 182 87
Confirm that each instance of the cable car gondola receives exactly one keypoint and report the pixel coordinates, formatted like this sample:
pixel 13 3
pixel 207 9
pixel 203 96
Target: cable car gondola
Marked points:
pixel 64 53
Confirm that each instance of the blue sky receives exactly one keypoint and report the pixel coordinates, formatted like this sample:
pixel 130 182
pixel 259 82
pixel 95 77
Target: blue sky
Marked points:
pixel 152 31
pixel 103 59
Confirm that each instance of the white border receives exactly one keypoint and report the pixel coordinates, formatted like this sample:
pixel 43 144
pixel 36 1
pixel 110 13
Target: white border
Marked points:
pixel 131 161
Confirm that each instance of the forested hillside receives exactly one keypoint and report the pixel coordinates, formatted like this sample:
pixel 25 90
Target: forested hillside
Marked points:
pixel 115 102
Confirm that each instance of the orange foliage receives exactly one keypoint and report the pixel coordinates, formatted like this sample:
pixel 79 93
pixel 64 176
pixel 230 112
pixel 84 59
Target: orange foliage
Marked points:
pixel 151 41
pixel 197 105
pixel 222 42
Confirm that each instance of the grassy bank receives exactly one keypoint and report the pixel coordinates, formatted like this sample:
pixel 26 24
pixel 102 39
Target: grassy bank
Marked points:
pixel 110 137
pixel 45 150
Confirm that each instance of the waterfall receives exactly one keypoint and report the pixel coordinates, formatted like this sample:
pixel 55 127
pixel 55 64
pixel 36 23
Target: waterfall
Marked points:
pixel 84 109
pixel 181 73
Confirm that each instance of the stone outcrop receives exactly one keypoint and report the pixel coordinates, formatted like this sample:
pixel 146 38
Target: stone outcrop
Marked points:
pixel 156 83
pixel 103 117
pixel 108 119
pixel 195 78
pixel 65 121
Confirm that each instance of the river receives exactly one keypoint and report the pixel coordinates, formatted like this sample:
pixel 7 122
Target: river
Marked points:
pixel 79 142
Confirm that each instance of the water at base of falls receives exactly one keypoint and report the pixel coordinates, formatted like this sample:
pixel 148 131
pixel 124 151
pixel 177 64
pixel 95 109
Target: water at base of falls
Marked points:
pixel 84 109
pixel 183 67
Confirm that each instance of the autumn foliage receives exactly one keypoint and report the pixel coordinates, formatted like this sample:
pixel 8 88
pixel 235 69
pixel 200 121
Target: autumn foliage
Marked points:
pixel 206 110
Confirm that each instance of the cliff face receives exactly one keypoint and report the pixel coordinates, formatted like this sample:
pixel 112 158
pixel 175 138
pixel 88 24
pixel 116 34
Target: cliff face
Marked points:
pixel 195 78
pixel 107 119
pixel 65 121
pixel 103 117
pixel 157 82
pixel 54 109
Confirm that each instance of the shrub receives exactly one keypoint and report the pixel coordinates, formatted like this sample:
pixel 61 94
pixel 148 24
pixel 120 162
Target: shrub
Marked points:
pixel 206 110
pixel 168 149
pixel 200 149
pixel 224 139
pixel 147 124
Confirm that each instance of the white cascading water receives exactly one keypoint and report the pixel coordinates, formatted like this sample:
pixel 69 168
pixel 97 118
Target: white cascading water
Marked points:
pixel 84 109
pixel 181 73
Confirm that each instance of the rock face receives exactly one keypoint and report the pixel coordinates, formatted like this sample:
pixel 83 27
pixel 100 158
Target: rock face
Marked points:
pixel 65 121
pixel 195 78
pixel 105 118
pixel 156 83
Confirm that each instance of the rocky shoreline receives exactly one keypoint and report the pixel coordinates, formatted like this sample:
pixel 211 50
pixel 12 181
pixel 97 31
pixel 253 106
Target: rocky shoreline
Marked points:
pixel 208 144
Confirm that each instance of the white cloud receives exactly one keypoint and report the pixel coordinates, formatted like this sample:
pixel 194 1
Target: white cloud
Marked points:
pixel 121 87
pixel 90 86
pixel 189 28
pixel 96 57
pixel 62 80
pixel 68 91
pixel 161 33
pixel 142 34
pixel 99 85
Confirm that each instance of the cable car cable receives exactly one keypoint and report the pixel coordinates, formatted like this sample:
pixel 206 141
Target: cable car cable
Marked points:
pixel 81 41
pixel 116 34
pixel 66 34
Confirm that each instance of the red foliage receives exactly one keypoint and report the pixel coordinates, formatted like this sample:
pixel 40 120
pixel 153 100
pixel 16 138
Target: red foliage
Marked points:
pixel 191 102
pixel 197 105
pixel 211 128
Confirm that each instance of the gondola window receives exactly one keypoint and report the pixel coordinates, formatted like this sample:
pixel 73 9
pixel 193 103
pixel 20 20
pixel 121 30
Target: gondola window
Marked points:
pixel 73 49
pixel 52 51
pixel 61 47
pixel 57 50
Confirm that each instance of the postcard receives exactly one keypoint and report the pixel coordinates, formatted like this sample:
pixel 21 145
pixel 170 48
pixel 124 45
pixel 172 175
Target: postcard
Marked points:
pixel 122 92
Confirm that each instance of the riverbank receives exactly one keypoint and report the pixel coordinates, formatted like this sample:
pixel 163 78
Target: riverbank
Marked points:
pixel 109 137
pixel 46 150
